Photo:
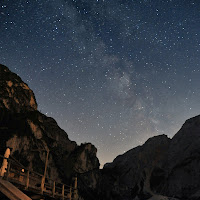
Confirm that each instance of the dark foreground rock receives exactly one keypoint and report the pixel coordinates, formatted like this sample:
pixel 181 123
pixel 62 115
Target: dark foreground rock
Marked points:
pixel 184 161
pixel 129 176
pixel 162 168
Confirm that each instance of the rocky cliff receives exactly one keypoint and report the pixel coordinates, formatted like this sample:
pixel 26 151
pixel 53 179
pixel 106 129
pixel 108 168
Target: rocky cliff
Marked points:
pixel 161 167
pixel 130 175
pixel 15 95
pixel 182 179
pixel 30 134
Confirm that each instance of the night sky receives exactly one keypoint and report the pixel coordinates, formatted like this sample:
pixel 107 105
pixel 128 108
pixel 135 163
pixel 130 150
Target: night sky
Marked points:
pixel 111 72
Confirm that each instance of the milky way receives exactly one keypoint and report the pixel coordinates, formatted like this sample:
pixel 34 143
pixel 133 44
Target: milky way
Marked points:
pixel 111 72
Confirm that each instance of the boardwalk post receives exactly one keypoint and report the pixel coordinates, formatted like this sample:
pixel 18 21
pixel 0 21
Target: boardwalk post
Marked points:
pixel 46 163
pixel 70 193
pixel 54 188
pixel 75 189
pixel 5 162
pixel 45 171
pixel 42 184
pixel 63 192
pixel 8 170
pixel 27 180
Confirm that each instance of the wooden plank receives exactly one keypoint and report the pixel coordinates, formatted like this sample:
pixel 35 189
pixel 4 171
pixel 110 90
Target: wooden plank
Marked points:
pixel 11 191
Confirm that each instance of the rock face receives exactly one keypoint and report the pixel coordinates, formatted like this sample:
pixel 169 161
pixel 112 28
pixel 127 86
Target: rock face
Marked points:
pixel 15 95
pixel 31 134
pixel 130 174
pixel 184 161
pixel 161 167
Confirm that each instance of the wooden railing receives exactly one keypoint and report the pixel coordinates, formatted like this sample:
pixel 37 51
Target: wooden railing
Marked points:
pixel 37 183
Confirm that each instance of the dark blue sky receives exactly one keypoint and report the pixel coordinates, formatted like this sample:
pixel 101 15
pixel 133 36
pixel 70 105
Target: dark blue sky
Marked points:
pixel 111 72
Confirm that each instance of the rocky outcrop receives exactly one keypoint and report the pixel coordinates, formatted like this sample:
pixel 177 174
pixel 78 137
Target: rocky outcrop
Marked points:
pixel 30 134
pixel 184 161
pixel 15 95
pixel 130 174
pixel 161 169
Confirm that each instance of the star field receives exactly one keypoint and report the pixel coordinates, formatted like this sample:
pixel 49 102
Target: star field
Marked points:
pixel 111 72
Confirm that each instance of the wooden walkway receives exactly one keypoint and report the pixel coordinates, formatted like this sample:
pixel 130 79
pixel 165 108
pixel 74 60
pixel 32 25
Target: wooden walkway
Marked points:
pixel 35 183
